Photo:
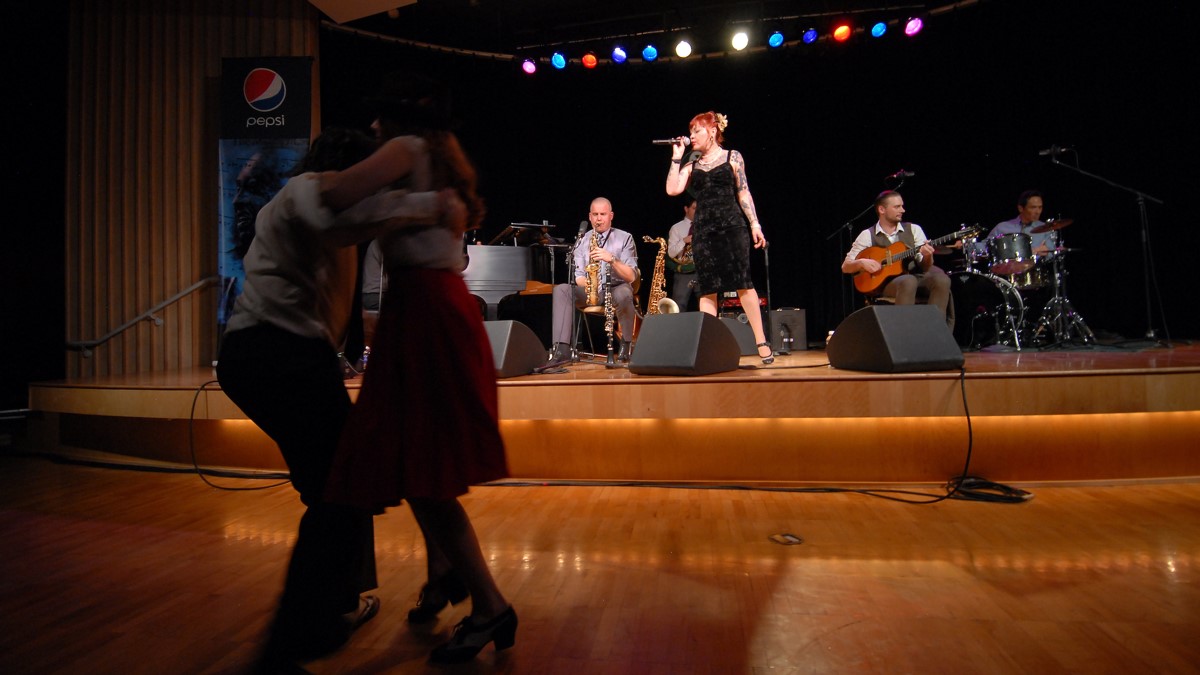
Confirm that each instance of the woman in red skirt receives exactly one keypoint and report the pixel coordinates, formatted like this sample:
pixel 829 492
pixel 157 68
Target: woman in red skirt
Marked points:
pixel 425 426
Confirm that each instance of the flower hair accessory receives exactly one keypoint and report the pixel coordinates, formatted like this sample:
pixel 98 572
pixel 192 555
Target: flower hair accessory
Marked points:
pixel 722 121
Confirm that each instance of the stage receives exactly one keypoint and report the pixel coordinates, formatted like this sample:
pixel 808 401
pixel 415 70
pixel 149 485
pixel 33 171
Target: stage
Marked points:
pixel 1105 414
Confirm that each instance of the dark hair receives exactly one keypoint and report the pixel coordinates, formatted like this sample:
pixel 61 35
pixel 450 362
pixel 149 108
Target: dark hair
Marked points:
pixel 1024 198
pixel 408 103
pixel 336 149
pixel 883 197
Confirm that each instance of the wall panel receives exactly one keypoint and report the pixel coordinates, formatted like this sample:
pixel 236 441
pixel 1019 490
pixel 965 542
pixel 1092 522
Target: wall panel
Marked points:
pixel 141 197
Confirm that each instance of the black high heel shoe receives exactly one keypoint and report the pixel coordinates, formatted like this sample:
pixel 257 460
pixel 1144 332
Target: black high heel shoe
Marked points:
pixel 469 638
pixel 447 589
pixel 767 360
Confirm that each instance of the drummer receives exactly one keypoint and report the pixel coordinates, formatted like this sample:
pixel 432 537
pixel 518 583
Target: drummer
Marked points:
pixel 1029 214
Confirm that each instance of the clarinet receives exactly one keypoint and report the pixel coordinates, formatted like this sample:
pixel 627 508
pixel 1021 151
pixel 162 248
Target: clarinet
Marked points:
pixel 611 361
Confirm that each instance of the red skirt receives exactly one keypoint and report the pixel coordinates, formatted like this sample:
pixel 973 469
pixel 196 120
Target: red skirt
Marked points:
pixel 426 420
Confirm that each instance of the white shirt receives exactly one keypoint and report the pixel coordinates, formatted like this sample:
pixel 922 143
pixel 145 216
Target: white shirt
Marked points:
pixel 301 267
pixel 866 239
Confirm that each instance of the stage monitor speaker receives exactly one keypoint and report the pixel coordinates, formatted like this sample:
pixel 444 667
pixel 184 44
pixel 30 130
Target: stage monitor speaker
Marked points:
pixel 739 327
pixel 688 343
pixel 888 339
pixel 787 330
pixel 515 349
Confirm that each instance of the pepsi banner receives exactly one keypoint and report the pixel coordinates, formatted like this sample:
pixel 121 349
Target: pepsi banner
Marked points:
pixel 266 119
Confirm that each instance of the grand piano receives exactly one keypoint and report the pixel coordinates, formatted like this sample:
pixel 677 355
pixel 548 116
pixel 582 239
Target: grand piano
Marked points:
pixel 495 271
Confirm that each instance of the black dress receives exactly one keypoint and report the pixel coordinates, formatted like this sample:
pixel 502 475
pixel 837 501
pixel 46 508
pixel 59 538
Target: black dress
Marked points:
pixel 720 235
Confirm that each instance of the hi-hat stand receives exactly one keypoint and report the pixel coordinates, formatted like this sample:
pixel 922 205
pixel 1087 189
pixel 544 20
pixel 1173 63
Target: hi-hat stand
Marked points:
pixel 1059 318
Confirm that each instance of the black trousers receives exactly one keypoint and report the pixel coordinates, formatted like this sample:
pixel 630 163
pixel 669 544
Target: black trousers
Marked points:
pixel 292 388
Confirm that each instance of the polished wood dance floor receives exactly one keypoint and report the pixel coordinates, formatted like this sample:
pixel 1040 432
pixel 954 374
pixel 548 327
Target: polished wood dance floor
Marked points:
pixel 131 572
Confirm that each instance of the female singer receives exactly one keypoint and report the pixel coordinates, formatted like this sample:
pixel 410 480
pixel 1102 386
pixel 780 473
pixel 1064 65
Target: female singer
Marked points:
pixel 721 240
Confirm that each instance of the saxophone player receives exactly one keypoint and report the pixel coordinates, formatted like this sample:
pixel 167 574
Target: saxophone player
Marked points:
pixel 605 248
pixel 680 261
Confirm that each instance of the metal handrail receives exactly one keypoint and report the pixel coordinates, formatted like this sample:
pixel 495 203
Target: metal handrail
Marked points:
pixel 85 346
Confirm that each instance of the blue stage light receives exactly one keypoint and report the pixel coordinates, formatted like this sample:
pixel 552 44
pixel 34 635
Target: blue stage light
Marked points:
pixel 810 36
pixel 649 53
pixel 618 55
pixel 558 60
pixel 776 39
pixel 878 29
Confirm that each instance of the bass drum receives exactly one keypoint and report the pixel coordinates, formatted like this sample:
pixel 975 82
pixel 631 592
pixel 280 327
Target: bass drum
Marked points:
pixel 988 310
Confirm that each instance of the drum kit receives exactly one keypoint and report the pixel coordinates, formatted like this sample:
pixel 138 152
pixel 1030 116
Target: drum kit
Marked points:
pixel 1006 295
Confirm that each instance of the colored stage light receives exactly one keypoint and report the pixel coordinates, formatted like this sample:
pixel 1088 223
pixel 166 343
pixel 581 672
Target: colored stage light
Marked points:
pixel 589 60
pixel 683 49
pixel 618 54
pixel 776 39
pixel 878 29
pixel 558 60
pixel 649 53
pixel 842 32
pixel 810 36
pixel 529 67
pixel 740 40
pixel 913 26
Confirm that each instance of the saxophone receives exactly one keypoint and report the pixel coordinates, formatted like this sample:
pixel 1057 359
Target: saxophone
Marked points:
pixel 659 303
pixel 592 271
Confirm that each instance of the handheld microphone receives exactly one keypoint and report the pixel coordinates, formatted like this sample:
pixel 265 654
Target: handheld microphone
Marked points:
pixel 672 141
pixel 1052 151
pixel 902 174
pixel 583 226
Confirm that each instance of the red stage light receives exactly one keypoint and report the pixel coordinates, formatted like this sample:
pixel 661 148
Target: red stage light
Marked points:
pixel 842 32
pixel 589 60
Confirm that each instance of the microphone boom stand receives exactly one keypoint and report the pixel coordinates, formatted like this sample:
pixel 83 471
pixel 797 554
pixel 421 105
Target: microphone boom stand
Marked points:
pixel 1147 264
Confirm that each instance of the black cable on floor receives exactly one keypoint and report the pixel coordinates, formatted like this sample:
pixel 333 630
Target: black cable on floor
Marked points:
pixel 204 473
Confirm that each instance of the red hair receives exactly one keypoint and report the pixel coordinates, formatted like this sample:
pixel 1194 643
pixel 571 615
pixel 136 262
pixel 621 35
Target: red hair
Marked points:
pixel 709 119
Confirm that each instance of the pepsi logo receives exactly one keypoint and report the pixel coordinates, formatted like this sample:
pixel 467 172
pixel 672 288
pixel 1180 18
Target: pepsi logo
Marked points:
pixel 264 89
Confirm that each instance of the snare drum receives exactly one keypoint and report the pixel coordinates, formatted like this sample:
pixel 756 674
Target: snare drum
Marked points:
pixel 1031 279
pixel 1011 254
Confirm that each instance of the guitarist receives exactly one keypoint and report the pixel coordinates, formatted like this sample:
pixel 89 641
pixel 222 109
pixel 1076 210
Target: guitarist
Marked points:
pixel 913 273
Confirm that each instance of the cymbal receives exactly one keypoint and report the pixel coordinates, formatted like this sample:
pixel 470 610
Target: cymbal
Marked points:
pixel 1051 225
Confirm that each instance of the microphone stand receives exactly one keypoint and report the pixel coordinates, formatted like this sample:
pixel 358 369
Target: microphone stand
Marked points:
pixel 844 227
pixel 1147 263
pixel 570 253
pixel 839 233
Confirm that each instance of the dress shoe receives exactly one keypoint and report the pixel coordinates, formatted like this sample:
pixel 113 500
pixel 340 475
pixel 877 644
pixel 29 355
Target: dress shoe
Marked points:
pixel 559 356
pixel 770 357
pixel 303 638
pixel 368 607
pixel 435 596
pixel 625 351
pixel 469 638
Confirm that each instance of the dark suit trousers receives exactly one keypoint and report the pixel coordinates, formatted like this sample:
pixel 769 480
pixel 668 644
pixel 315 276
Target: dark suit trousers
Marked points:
pixel 292 388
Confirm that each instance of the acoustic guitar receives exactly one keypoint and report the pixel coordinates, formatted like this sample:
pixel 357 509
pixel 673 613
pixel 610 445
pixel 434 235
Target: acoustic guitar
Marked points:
pixel 891 260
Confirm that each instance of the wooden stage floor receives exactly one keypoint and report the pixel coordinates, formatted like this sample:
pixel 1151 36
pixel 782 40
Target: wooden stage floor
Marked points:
pixel 1095 414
